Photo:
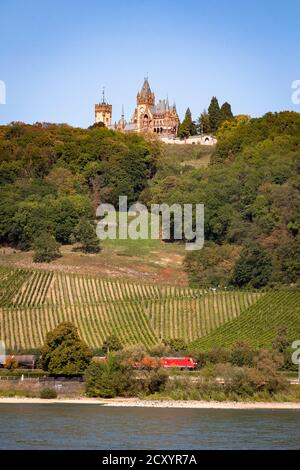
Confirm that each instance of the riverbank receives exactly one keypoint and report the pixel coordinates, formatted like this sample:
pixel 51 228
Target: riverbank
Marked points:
pixel 135 402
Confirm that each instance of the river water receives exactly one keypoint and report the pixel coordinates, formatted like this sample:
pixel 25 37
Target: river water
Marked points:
pixel 69 426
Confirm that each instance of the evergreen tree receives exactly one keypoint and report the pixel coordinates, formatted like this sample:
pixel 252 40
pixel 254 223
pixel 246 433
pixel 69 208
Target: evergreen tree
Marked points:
pixel 214 114
pixel 187 127
pixel 225 112
pixel 46 248
pixel 85 234
pixel 203 123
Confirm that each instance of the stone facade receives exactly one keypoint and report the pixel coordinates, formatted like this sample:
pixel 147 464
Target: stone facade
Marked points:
pixel 203 139
pixel 103 112
pixel 159 118
pixel 148 117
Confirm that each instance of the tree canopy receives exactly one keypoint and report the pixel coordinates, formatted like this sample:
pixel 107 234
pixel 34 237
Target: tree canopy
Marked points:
pixel 64 352
pixel 187 127
pixel 52 176
pixel 251 195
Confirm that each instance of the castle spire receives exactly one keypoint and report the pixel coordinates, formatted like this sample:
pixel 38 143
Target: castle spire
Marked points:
pixel 103 111
pixel 146 90
pixel 103 96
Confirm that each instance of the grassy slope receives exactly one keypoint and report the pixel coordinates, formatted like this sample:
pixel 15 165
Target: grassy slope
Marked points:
pixel 197 156
pixel 259 323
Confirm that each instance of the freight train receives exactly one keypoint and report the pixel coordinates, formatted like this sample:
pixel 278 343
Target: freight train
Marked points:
pixel 29 362
pixel 165 362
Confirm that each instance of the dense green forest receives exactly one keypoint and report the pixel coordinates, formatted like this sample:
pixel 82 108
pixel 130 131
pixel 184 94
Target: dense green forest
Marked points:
pixel 251 197
pixel 53 176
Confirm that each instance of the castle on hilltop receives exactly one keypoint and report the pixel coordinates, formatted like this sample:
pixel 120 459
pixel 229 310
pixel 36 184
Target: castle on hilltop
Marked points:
pixel 149 117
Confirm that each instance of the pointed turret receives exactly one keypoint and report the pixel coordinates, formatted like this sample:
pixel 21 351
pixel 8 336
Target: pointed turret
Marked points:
pixel 103 111
pixel 146 90
pixel 167 104
pixel 145 96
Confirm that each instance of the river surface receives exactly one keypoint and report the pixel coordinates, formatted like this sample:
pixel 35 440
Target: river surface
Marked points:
pixel 69 426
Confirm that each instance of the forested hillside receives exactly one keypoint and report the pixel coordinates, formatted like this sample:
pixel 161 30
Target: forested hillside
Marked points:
pixel 53 175
pixel 251 198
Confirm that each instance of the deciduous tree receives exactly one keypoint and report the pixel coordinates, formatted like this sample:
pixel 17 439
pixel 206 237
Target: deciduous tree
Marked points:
pixel 64 352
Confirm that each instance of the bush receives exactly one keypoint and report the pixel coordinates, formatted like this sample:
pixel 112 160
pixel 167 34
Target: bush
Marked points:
pixel 241 354
pixel 176 345
pixel 217 356
pixel 10 363
pixel 281 341
pixel 156 380
pixel 247 381
pixel 269 364
pixel 109 379
pixel 48 393
pixel 159 350
pixel 112 343
pixel 132 356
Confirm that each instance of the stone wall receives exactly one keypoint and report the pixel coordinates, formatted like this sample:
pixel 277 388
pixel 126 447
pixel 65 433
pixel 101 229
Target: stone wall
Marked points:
pixel 33 386
pixel 196 139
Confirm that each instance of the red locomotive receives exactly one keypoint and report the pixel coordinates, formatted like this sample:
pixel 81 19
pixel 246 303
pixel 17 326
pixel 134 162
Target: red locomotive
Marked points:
pixel 166 362
pixel 178 362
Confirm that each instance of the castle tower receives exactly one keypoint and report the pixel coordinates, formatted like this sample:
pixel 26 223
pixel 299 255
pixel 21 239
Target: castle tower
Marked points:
pixel 103 111
pixel 145 100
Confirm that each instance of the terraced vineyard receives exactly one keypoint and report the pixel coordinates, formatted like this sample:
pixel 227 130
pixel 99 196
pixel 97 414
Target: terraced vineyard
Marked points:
pixel 258 325
pixel 34 302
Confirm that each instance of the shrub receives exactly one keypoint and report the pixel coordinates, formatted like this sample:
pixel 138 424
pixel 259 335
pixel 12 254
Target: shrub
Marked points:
pixel 48 393
pixel 10 363
pixel 217 355
pixel 176 344
pixel 132 356
pixel 159 350
pixel 109 379
pixel 112 343
pixel 281 341
pixel 241 354
pixel 269 364
pixel 157 380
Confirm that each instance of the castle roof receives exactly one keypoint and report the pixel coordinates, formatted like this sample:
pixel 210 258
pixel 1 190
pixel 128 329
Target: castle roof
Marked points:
pixel 146 90
pixel 129 126
pixel 161 107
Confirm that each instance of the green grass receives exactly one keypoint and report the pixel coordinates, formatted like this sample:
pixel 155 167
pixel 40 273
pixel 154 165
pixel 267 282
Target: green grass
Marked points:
pixel 258 324
pixel 181 153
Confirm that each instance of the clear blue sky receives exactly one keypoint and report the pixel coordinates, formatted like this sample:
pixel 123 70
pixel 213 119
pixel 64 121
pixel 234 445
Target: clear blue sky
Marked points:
pixel 55 55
